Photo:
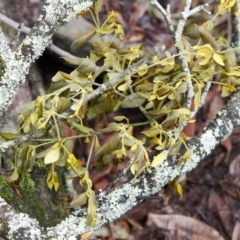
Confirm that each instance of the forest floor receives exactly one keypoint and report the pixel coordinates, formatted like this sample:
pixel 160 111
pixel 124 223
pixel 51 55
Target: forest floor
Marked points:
pixel 210 206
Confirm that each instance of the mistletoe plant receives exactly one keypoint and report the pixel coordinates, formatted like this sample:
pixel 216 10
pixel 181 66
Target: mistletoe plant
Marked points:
pixel 155 83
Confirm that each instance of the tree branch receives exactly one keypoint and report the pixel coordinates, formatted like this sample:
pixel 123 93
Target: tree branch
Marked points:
pixel 113 205
pixel 53 15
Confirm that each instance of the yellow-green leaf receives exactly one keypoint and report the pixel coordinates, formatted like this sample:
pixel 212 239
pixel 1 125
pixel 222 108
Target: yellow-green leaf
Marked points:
pixel 86 66
pixel 158 159
pixel 9 135
pixel 188 154
pixel 133 101
pixel 110 145
pixel 134 168
pixel 53 154
pixel 72 60
pixel 14 176
pixel 234 73
pixel 192 31
pixel 217 58
pixel 52 180
pixel 143 69
pixel 79 200
pixel 123 87
pixel 179 189
pixel 84 38
pixel 183 111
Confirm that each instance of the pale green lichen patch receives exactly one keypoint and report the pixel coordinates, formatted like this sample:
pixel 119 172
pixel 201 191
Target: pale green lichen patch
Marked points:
pixel 20 221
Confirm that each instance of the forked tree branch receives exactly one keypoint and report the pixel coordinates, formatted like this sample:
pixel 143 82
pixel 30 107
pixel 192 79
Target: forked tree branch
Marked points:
pixel 17 63
pixel 113 205
pixel 118 201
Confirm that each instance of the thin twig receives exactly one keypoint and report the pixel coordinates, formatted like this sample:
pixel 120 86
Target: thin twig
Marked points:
pixel 198 9
pixel 121 173
pixel 166 15
pixel 235 42
pixel 120 77
pixel 26 30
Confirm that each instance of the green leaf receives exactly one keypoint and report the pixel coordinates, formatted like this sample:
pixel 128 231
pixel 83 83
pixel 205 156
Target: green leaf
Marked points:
pixel 62 104
pixel 79 200
pixel 25 111
pixel 86 66
pixel 97 108
pixel 111 61
pixel 61 162
pixel 174 149
pixel 144 95
pixel 31 157
pixel 107 158
pixel 104 31
pixel 80 128
pixel 68 144
pixel 110 145
pixel 132 101
pixel 208 38
pixel 144 87
pixel 100 163
pixel 78 172
pixel 21 160
pixel 112 127
pixel 9 135
pixel 234 73
pixel 192 31
pixel 14 176
pixel 182 88
pixel 56 86
pixel 92 203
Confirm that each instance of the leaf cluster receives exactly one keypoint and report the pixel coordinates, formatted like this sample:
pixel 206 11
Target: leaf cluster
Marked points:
pixel 158 88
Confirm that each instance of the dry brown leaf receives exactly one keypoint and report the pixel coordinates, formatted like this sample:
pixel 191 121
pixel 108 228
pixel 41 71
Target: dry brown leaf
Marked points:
pixel 134 223
pixel 217 204
pixel 234 167
pixel 215 106
pixel 137 37
pixel 187 227
pixel 227 144
pixel 236 231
